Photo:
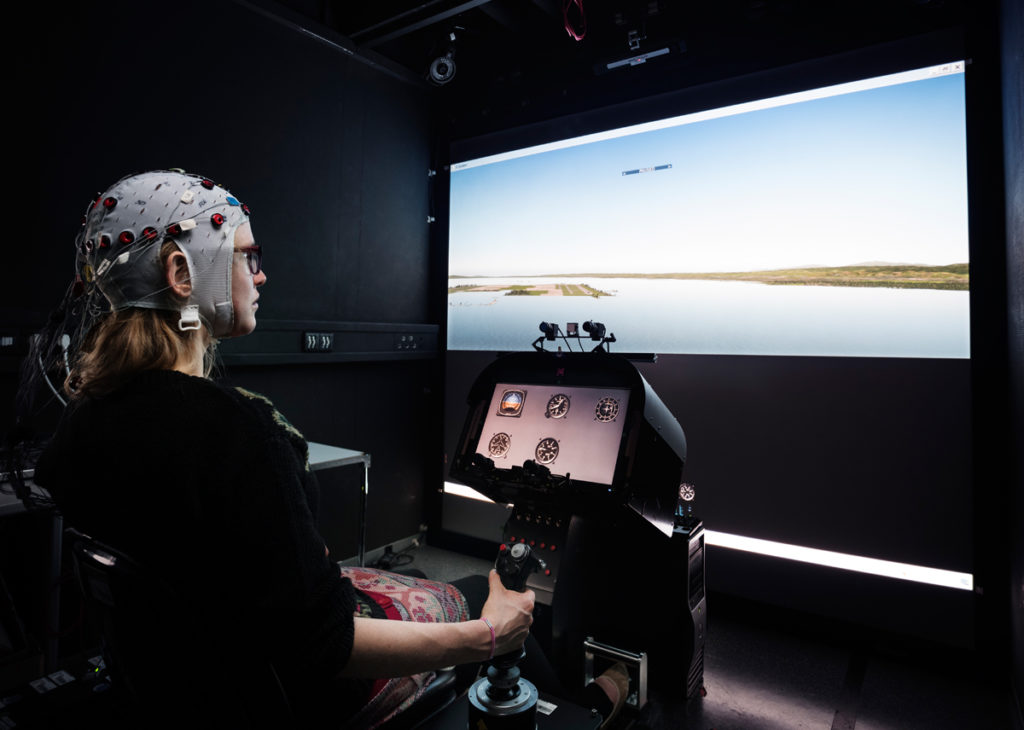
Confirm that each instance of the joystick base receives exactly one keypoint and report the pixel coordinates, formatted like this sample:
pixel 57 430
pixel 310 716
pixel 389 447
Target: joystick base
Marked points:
pixel 515 713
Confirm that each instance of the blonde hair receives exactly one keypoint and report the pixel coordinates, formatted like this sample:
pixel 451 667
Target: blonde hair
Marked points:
pixel 132 340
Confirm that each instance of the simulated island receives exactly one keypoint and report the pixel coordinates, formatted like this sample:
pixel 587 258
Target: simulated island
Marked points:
pixel 954 277
pixel 532 290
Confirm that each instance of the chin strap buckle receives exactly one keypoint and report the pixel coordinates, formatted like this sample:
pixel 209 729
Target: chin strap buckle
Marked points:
pixel 189 318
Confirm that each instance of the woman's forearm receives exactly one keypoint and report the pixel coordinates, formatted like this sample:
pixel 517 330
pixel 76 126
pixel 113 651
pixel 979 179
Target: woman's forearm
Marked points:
pixel 383 648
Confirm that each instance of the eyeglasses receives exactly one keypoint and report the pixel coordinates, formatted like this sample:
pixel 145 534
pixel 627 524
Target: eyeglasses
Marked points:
pixel 253 257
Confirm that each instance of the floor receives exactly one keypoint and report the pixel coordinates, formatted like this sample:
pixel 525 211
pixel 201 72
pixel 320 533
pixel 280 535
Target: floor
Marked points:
pixel 769 670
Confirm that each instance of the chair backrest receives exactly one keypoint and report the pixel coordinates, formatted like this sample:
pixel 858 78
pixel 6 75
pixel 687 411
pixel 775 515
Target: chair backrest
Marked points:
pixel 438 695
pixel 165 664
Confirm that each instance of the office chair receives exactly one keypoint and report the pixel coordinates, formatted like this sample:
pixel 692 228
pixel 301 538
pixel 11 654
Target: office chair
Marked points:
pixel 436 697
pixel 164 667
pixel 166 670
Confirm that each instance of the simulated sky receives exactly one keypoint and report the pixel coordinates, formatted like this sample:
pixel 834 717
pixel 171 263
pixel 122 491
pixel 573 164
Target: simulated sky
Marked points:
pixel 871 176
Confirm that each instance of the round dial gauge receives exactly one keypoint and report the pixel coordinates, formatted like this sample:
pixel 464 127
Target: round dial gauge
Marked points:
pixel 499 445
pixel 558 406
pixel 607 409
pixel 547 450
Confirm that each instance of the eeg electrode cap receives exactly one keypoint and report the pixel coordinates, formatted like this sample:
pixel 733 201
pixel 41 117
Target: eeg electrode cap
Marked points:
pixel 137 215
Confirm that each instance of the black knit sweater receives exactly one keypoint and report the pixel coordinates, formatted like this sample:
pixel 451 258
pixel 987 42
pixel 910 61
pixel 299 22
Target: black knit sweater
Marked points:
pixel 211 487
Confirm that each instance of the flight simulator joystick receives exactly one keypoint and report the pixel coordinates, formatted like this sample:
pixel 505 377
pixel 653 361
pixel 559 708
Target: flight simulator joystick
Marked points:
pixel 503 700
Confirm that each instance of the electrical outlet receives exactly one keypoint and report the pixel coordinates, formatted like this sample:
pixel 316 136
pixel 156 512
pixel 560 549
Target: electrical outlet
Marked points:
pixel 317 341
pixel 408 342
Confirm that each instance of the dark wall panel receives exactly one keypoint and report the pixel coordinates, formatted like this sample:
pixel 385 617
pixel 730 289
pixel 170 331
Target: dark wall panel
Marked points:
pixel 861 456
pixel 384 162
pixel 330 154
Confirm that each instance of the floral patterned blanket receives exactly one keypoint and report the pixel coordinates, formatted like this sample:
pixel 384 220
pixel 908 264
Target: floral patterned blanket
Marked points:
pixel 401 598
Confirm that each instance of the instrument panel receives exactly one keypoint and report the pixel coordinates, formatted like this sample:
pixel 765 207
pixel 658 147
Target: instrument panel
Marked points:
pixel 574 431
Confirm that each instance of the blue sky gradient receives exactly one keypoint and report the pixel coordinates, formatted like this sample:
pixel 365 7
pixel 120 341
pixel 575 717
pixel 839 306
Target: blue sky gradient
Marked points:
pixel 870 176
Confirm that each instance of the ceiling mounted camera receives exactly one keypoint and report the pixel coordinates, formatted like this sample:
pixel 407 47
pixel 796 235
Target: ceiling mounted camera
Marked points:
pixel 442 69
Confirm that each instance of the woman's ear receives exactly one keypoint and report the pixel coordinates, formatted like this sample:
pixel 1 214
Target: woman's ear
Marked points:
pixel 179 279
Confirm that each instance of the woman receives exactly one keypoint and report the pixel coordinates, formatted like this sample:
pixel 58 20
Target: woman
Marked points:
pixel 210 486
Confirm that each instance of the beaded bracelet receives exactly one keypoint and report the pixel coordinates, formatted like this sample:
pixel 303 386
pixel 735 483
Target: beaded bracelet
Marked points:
pixel 491 627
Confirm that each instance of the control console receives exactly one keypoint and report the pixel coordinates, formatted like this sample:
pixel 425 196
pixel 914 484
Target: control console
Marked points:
pixel 592 460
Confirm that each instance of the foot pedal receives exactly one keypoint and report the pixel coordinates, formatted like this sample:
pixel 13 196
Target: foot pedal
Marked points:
pixel 597 657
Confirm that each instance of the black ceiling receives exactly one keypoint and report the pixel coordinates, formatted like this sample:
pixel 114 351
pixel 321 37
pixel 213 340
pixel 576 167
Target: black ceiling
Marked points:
pixel 511 54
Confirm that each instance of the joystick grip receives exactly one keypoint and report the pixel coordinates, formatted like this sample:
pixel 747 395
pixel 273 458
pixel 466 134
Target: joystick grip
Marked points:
pixel 503 700
pixel 514 565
